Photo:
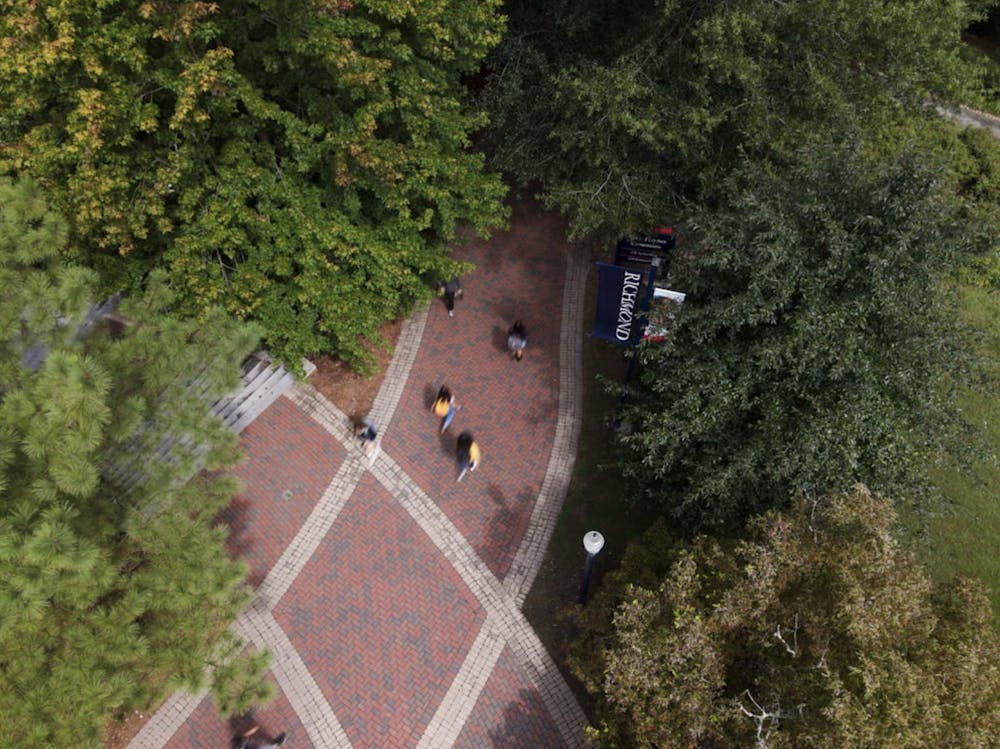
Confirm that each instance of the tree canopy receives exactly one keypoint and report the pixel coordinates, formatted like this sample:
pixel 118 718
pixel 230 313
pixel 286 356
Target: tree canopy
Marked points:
pixel 111 592
pixel 813 342
pixel 302 163
pixel 621 110
pixel 817 630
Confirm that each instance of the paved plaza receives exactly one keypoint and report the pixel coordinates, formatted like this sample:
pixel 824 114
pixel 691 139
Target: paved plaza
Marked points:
pixel 389 594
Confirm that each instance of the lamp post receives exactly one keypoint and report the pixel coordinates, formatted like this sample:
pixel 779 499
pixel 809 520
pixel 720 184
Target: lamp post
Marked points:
pixel 593 542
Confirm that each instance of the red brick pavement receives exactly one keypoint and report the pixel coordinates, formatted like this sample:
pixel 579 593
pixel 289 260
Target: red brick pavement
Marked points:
pixel 204 729
pixel 289 462
pixel 382 621
pixel 378 615
pixel 511 407
pixel 509 713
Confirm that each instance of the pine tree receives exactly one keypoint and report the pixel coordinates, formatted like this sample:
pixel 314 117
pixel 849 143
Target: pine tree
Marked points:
pixel 111 592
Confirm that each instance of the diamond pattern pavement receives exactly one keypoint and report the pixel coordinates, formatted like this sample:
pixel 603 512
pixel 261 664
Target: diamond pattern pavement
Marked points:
pixel 389 593
pixel 352 625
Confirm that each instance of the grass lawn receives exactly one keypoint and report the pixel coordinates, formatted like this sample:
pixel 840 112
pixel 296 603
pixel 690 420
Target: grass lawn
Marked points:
pixel 966 538
pixel 596 501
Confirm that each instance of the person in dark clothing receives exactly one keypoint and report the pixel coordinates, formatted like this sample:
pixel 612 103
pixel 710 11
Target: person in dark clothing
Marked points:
pixel 517 339
pixel 368 435
pixel 452 289
pixel 243 740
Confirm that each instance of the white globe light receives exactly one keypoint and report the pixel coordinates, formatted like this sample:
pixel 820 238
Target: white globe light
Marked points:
pixel 593 542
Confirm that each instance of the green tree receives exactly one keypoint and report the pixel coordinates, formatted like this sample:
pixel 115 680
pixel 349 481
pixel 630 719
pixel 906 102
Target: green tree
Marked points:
pixel 302 163
pixel 818 630
pixel 813 341
pixel 979 178
pixel 112 591
pixel 617 109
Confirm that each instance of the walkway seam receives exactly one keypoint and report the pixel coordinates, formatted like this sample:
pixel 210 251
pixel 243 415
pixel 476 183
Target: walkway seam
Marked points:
pixel 169 716
pixel 463 694
pixel 295 680
pixel 505 625
pixel 312 532
pixel 178 708
pixel 492 595
pixel 559 472
pixel 398 372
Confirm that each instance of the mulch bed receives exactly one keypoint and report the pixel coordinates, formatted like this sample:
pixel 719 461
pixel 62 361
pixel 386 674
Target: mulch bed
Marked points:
pixel 350 392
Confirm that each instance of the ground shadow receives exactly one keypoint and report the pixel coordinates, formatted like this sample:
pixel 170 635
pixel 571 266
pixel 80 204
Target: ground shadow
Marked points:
pixel 526 724
pixel 430 394
pixel 236 516
pixel 507 523
pixel 543 413
pixel 448 442
pixel 499 338
pixel 507 310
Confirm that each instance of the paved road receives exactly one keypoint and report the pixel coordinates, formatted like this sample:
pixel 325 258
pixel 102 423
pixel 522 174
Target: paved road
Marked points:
pixel 388 593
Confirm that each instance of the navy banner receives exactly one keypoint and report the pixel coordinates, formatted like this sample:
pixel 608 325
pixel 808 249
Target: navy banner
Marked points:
pixel 617 300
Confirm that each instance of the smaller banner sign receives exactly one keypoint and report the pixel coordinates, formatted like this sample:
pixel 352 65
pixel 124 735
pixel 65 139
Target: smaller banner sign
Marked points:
pixel 617 303
pixel 642 250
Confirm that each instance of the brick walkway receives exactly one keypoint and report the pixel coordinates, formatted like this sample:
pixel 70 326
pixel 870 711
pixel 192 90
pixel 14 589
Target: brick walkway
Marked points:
pixel 388 593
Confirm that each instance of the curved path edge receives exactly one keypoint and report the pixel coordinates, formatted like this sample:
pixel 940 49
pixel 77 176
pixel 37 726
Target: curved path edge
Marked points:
pixel 559 472
pixel 505 626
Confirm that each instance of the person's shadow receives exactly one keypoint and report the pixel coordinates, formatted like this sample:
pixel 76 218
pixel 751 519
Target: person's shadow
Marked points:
pixel 499 339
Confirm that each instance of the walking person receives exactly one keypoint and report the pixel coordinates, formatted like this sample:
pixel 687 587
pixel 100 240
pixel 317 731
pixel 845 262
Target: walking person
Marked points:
pixel 368 435
pixel 445 407
pixel 243 740
pixel 468 453
pixel 452 289
pixel 517 339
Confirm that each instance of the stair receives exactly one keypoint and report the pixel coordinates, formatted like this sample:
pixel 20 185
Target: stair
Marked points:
pixel 263 383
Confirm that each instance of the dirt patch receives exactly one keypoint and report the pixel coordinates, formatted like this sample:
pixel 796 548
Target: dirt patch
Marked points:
pixel 347 390
pixel 119 733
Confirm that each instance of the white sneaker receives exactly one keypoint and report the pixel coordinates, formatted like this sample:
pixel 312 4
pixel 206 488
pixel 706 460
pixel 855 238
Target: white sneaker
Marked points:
pixel 451 313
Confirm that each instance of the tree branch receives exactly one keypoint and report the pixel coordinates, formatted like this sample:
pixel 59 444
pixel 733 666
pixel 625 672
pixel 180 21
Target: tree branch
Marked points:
pixel 794 651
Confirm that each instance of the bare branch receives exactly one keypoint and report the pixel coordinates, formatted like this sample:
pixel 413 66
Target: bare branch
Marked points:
pixel 598 191
pixel 812 519
pixel 794 651
pixel 822 665
pixel 633 196
pixel 760 717
pixel 767 720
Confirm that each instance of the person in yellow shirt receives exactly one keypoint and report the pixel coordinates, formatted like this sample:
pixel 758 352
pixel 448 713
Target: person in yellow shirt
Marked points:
pixel 445 407
pixel 469 454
